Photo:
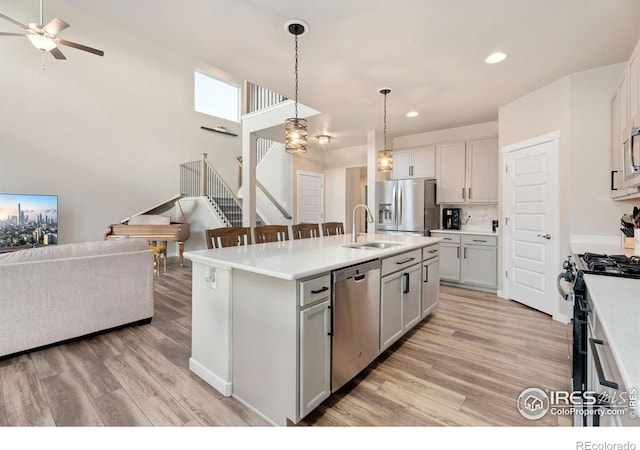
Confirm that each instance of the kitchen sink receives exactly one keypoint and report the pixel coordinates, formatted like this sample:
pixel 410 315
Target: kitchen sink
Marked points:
pixel 372 245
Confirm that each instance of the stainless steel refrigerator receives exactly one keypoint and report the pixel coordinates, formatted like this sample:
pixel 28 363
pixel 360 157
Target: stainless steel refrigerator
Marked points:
pixel 407 206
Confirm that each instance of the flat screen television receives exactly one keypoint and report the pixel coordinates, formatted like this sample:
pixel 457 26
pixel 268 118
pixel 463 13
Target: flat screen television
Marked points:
pixel 27 221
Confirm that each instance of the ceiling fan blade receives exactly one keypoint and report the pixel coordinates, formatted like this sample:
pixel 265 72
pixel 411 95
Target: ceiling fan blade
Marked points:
pixel 21 25
pixel 80 47
pixel 56 26
pixel 57 54
pixel 12 34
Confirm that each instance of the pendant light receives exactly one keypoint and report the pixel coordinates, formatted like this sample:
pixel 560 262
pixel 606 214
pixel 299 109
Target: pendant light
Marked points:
pixel 385 156
pixel 296 128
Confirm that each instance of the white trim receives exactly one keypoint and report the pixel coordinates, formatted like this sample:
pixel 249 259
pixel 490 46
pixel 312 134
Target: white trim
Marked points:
pixel 553 136
pixel 222 386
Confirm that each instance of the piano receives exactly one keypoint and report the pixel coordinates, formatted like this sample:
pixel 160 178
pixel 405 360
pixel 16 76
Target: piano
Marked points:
pixel 152 226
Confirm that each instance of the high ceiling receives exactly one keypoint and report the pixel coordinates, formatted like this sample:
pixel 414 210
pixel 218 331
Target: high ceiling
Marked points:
pixel 430 52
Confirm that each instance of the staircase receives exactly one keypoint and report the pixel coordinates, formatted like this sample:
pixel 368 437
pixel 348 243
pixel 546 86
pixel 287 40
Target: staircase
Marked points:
pixel 226 204
pixel 230 211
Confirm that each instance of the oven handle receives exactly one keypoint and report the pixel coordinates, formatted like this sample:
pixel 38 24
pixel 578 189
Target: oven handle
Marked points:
pixel 582 347
pixel 598 364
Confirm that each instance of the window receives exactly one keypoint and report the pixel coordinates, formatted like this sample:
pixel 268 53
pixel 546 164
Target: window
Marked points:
pixel 217 98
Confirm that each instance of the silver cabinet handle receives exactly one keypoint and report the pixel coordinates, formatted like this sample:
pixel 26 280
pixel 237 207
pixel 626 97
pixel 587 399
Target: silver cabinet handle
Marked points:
pixel 404 261
pixel 469 193
pixel 458 252
pixel 546 236
pixel 465 253
pixel 462 193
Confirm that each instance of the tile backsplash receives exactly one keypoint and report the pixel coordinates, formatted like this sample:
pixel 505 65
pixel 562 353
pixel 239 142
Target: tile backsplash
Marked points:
pixel 481 216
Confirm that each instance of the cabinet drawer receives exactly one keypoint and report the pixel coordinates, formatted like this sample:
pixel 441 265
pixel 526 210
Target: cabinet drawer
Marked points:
pixel 398 262
pixel 447 237
pixel 430 252
pixel 480 239
pixel 315 290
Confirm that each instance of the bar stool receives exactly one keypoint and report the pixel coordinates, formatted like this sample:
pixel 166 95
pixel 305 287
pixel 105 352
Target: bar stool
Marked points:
pixel 160 253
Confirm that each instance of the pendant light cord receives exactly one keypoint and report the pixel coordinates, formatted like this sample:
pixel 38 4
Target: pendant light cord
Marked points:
pixel 385 121
pixel 296 72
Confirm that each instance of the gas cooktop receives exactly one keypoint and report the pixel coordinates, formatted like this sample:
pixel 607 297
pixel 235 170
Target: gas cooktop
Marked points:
pixel 612 265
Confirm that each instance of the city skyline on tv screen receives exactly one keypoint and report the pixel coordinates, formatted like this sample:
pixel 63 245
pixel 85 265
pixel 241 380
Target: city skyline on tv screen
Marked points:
pixel 28 220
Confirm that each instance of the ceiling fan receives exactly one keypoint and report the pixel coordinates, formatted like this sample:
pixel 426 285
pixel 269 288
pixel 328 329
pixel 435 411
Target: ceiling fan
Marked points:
pixel 46 38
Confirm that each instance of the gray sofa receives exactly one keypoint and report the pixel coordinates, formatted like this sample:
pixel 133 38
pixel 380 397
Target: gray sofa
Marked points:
pixel 52 294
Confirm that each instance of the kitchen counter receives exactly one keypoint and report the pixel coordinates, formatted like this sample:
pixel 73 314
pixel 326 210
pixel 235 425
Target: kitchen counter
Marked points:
pixel 617 304
pixel 467 231
pixel 300 258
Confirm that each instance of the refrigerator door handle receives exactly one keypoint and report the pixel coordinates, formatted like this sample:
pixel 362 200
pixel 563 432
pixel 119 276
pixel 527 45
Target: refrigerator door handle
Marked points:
pixel 400 218
pixel 394 206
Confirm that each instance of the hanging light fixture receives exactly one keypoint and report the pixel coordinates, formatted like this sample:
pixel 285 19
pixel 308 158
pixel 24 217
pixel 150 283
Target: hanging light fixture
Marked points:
pixel 296 128
pixel 385 156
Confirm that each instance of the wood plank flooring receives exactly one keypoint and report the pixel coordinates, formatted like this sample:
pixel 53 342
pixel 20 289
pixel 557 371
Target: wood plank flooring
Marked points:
pixel 465 365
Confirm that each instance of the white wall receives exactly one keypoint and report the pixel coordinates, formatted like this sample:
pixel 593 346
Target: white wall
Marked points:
pixel 466 133
pixel 106 134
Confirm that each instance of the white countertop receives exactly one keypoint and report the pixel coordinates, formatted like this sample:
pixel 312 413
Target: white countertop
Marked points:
pixel 300 258
pixel 466 231
pixel 617 304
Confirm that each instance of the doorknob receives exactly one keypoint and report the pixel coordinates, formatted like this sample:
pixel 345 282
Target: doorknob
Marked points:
pixel 546 236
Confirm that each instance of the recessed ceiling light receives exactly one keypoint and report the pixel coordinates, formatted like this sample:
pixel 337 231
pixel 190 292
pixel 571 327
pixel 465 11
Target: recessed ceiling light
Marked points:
pixel 323 139
pixel 495 58
pixel 412 113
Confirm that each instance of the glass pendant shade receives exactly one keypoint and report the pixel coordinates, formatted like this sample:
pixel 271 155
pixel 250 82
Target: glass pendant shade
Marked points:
pixel 385 160
pixel 295 135
pixel 385 157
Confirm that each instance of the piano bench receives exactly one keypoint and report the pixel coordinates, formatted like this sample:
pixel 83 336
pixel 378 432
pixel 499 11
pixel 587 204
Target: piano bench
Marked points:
pixel 159 251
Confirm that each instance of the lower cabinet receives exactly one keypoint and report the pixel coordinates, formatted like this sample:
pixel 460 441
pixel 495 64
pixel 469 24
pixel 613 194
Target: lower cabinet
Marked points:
pixel 314 343
pixel 400 304
pixel 315 356
pixel 469 259
pixel 430 286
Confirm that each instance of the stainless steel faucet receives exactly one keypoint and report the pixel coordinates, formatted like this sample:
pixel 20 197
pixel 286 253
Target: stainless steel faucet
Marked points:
pixel 354 234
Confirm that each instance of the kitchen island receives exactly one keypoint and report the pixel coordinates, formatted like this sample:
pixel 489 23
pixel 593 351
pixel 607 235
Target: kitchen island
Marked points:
pixel 262 314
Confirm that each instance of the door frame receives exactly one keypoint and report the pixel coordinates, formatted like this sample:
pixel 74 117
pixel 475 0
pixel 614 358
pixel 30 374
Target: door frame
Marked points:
pixel 298 199
pixel 506 236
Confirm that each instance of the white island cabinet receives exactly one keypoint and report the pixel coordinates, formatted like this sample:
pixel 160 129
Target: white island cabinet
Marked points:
pixel 261 329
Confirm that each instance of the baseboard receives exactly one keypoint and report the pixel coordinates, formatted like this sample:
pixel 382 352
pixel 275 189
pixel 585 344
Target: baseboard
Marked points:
pixel 561 318
pixel 501 294
pixel 468 286
pixel 220 385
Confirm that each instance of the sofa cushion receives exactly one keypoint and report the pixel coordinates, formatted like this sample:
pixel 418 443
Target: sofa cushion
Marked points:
pixel 75 250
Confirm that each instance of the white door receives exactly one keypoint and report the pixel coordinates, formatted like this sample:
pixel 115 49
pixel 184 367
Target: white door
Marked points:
pixel 530 194
pixel 310 197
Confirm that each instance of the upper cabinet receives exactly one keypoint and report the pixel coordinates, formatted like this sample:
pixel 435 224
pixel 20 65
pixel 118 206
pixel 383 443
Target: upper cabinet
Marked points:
pixel 625 109
pixel 415 163
pixel 468 172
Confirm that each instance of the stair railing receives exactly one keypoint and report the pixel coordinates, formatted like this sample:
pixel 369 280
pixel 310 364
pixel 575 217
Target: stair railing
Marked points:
pixel 261 98
pixel 211 185
pixel 268 195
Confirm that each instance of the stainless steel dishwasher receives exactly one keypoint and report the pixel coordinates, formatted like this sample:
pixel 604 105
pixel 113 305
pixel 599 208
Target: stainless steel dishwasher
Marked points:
pixel 356 320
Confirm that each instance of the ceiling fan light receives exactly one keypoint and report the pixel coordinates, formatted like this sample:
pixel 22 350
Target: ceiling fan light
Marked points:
pixel 41 42
pixel 295 135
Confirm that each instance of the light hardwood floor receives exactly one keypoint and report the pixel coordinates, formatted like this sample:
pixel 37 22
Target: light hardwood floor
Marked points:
pixel 465 365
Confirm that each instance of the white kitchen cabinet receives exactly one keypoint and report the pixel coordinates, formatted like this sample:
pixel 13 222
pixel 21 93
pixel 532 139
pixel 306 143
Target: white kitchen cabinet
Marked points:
pixel 314 342
pixel 315 356
pixel 468 173
pixel 616 151
pixel 400 302
pixel 633 73
pixel 451 173
pixel 479 264
pixel 430 280
pixel 469 259
pixel 415 163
